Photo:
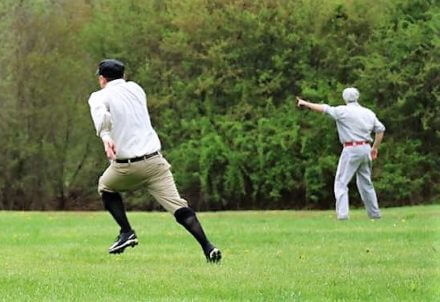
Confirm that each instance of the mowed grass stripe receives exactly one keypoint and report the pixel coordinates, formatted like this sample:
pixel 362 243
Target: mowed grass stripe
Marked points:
pixel 268 256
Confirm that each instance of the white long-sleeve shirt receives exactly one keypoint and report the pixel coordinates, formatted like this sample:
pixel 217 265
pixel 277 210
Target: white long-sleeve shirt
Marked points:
pixel 354 122
pixel 120 111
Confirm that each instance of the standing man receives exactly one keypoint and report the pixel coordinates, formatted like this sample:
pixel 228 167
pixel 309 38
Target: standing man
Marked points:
pixel 355 124
pixel 120 115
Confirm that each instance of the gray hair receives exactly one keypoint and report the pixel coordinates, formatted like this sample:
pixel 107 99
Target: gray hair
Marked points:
pixel 350 95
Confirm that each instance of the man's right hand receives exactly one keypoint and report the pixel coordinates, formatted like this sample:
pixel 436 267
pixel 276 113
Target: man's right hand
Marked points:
pixel 374 153
pixel 110 148
pixel 375 148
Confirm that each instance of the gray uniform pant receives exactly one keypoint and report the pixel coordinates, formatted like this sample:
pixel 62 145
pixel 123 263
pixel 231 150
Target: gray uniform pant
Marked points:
pixel 355 160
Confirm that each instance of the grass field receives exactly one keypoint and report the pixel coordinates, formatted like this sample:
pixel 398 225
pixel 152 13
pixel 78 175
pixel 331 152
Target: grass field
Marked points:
pixel 268 256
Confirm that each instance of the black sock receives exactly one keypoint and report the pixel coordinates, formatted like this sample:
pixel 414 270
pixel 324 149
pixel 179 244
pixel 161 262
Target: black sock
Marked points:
pixel 187 217
pixel 113 204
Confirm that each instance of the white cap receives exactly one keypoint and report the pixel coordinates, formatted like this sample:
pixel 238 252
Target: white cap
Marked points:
pixel 350 95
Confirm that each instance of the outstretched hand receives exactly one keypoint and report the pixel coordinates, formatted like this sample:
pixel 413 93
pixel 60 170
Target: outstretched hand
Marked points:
pixel 110 148
pixel 301 103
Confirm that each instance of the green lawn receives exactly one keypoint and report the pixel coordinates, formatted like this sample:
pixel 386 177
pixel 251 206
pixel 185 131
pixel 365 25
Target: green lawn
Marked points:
pixel 268 256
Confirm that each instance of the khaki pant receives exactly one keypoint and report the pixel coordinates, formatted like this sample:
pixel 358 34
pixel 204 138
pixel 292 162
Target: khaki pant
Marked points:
pixel 152 173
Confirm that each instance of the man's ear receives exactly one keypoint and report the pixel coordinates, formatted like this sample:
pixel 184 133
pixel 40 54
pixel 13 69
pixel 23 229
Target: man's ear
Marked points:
pixel 102 81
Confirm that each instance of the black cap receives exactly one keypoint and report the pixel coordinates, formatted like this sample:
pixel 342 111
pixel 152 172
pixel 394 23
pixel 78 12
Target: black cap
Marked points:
pixel 111 69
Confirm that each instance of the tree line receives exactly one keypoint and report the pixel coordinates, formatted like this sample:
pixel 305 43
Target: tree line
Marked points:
pixel 221 78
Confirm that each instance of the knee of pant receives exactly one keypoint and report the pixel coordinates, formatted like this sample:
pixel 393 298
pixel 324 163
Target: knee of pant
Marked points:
pixel 102 190
pixel 183 213
pixel 100 187
pixel 339 183
pixel 339 186
pixel 340 192
pixel 339 196
pixel 108 197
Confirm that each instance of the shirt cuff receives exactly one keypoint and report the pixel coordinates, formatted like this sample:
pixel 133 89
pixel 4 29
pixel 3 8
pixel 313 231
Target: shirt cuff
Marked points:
pixel 105 135
pixel 326 108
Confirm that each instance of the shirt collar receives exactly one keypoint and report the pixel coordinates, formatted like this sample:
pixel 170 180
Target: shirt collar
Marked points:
pixel 115 82
pixel 353 104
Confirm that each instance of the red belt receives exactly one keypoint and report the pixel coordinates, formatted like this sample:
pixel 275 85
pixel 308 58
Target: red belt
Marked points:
pixel 349 144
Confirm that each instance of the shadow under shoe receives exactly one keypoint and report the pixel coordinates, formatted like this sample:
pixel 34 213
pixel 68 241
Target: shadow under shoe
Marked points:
pixel 123 241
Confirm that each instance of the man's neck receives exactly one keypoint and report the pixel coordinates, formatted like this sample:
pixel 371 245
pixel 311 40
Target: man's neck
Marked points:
pixel 114 82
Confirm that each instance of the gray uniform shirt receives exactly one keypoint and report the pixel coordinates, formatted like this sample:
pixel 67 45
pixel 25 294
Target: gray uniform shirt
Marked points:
pixel 354 122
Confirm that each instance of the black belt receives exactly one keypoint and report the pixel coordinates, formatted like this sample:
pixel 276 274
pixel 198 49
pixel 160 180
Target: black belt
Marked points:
pixel 134 159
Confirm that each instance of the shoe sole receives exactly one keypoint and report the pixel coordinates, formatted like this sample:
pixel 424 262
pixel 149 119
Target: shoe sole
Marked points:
pixel 120 249
pixel 215 256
